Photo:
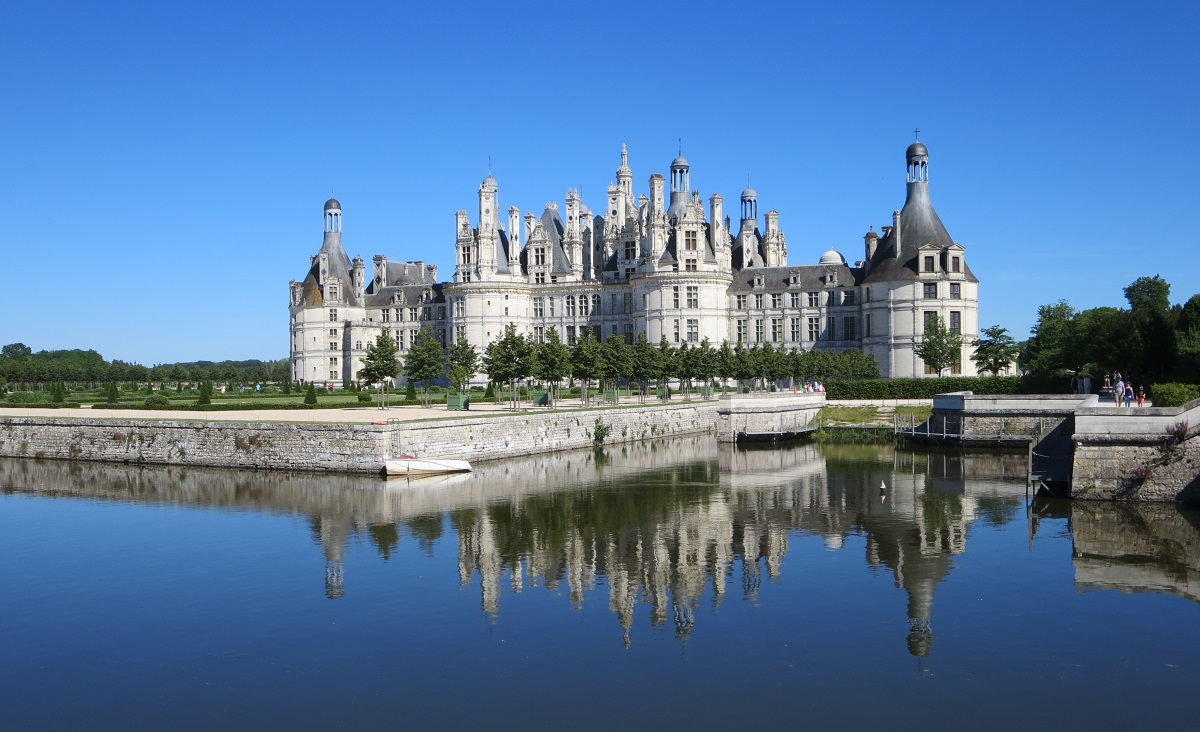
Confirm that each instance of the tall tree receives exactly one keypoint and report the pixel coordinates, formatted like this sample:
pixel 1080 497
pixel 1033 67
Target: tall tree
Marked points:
pixel 940 347
pixel 552 362
pixel 1051 349
pixel 425 362
pixel 380 364
pixel 464 362
pixel 643 363
pixel 586 363
pixel 1149 294
pixel 995 350
pixel 615 360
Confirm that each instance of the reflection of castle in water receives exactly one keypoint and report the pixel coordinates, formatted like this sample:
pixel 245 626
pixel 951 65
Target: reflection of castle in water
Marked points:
pixel 661 524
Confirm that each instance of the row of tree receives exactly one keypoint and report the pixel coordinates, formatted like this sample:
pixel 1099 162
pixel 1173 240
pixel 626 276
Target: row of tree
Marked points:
pixel 1153 339
pixel 21 367
pixel 514 359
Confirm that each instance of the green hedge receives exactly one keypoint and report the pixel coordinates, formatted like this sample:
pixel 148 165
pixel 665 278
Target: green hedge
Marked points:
pixel 921 388
pixel 42 405
pixel 1173 395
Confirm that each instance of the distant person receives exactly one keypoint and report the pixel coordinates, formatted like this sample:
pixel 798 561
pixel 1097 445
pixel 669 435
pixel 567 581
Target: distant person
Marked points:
pixel 1107 383
pixel 1118 391
pixel 1141 395
pixel 1128 395
pixel 1085 385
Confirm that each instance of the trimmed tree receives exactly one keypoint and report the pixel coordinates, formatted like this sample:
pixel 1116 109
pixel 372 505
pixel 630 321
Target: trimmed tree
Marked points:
pixel 552 362
pixel 586 363
pixel 939 347
pixel 995 351
pixel 425 362
pixel 380 364
pixel 464 362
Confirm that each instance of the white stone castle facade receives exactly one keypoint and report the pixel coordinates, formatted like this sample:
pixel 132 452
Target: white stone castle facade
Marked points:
pixel 654 264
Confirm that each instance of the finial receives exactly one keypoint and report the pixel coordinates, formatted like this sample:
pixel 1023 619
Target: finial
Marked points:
pixel 489 164
pixel 916 133
pixel 681 147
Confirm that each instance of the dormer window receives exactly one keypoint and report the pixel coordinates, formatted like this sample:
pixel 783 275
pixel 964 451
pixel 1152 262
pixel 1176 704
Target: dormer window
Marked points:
pixel 539 256
pixel 955 264
pixel 928 263
pixel 758 280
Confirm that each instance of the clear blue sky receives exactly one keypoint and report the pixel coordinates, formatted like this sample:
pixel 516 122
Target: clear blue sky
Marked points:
pixel 164 164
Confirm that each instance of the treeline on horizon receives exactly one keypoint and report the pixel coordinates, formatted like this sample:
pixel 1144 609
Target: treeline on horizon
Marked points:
pixel 20 365
pixel 1149 342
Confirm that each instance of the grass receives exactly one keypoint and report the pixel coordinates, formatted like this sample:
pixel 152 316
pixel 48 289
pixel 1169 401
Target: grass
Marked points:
pixel 918 413
pixel 849 415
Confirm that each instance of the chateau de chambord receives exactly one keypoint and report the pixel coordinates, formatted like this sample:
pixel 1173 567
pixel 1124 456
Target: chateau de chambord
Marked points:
pixel 658 262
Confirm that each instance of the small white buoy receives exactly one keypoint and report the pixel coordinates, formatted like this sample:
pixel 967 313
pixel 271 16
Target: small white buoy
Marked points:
pixel 882 487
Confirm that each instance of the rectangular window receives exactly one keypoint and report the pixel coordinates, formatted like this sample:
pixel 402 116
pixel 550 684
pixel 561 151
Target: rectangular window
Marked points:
pixel 955 264
pixel 399 314
pixel 741 330
pixel 539 307
pixel 776 330
pixel 333 346
pixel 440 335
pixel 570 335
pixel 848 298
pixel 550 301
pixel 570 306
pixel 539 333
pixel 612 305
pixel 930 316
pixel 741 302
pixel 539 278
pixel 629 333
pixel 675 297
pixel 631 250
pixel 956 365
pixel 795 327
pixel 867 325
pixel 776 299
pixel 689 241
pixel 814 329
pixel 333 315
pixel 412 314
pixel 955 291
pixel 693 296
pixel 627 303
pixel 333 360
pixel 928 263
pixel 426 313
pixel 930 290
pixel 386 315
pixel 441 312
pixel 690 265
pixel 758 301
pixel 796 300
pixel 460 307
pixel 628 272
pixel 676 330
pixel 460 332
pixel 333 376
pixel 955 321
pixel 831 324
pixel 333 332
pixel 693 326
pixel 849 328
pixel 583 305
pixel 539 255
pixel 758 330
pixel 814 299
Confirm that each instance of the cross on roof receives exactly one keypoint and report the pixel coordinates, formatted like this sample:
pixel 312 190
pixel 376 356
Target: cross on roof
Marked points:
pixel 916 133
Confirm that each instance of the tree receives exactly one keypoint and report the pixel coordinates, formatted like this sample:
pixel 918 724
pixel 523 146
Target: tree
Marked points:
pixel 1149 294
pixel 939 347
pixel 615 360
pixel 15 351
pixel 1050 350
pixel 380 364
pixel 310 396
pixel 464 362
pixel 552 361
pixel 507 360
pixel 586 362
pixel 704 363
pixel 995 351
pixel 425 362
pixel 643 363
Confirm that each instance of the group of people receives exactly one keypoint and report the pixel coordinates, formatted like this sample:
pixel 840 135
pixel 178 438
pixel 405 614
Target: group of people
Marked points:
pixel 1122 391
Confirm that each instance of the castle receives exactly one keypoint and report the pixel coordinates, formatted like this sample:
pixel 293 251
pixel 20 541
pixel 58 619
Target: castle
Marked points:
pixel 654 264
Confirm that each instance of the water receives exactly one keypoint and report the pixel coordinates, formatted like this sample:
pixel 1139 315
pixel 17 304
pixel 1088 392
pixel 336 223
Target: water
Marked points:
pixel 677 585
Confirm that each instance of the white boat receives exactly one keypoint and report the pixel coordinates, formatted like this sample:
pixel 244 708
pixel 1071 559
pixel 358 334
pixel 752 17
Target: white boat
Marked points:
pixel 412 466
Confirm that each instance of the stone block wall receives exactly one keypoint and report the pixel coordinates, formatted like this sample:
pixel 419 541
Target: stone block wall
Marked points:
pixel 283 446
pixel 1108 470
pixel 529 433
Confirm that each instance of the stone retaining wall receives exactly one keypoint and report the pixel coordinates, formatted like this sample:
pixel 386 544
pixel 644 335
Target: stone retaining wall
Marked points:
pixel 529 433
pixel 333 447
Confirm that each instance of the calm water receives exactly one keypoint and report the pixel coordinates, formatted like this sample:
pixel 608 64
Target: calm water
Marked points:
pixel 665 587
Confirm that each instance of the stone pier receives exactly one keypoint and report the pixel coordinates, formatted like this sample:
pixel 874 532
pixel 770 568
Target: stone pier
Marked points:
pixel 766 416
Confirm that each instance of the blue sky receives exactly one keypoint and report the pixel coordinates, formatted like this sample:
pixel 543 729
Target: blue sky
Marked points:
pixel 164 164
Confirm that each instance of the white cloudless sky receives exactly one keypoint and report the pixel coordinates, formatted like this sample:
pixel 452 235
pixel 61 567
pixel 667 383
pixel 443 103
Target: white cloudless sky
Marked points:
pixel 164 165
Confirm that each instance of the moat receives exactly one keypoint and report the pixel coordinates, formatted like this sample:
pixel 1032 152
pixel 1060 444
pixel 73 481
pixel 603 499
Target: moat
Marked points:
pixel 676 584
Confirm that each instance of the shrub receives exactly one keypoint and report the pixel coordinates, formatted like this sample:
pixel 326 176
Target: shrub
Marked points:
pixel 921 388
pixel 110 393
pixel 310 396
pixel 411 393
pixel 157 401
pixel 1173 395
pixel 364 398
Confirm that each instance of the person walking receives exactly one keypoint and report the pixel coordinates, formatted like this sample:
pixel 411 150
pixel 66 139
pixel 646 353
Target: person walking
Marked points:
pixel 1141 395
pixel 1128 395
pixel 1118 391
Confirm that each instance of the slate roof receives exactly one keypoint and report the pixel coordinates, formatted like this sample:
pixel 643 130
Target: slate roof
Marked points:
pixel 919 225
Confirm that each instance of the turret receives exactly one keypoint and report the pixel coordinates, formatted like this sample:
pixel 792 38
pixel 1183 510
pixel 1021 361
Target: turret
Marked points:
pixel 870 243
pixel 358 273
pixel 333 222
